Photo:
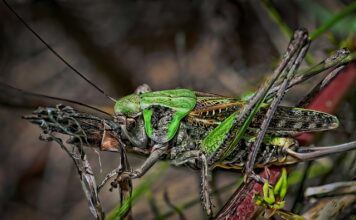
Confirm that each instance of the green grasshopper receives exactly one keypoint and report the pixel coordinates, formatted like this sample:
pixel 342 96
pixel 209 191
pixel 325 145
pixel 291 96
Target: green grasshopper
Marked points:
pixel 205 131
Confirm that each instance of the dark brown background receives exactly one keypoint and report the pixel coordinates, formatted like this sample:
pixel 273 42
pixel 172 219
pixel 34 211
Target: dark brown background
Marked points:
pixel 224 47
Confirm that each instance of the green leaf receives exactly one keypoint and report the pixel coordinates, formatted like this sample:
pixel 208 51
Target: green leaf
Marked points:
pixel 281 186
pixel 268 195
pixel 119 211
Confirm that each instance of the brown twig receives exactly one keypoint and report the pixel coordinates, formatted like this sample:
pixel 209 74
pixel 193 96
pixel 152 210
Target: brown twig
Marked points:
pixel 85 130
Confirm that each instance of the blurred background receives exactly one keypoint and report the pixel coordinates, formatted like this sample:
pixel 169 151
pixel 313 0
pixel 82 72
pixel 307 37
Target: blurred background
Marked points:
pixel 225 47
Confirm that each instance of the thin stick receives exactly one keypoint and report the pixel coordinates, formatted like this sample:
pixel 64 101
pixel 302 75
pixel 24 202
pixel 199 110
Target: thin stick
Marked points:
pixel 272 108
pixel 341 57
pixel 335 19
pixel 316 90
pixel 247 113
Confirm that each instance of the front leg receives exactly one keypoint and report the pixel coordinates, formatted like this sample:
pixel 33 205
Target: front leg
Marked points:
pixel 157 151
pixel 136 136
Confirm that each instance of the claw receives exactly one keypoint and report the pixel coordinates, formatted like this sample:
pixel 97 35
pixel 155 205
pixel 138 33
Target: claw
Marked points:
pixel 252 176
pixel 122 177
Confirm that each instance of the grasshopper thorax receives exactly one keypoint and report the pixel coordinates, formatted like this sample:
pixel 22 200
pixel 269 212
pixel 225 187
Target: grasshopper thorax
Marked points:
pixel 128 105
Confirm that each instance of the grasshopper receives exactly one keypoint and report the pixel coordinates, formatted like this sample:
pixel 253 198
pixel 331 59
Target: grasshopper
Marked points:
pixel 205 131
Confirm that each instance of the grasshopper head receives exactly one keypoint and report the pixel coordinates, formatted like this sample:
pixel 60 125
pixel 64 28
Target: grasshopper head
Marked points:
pixel 128 105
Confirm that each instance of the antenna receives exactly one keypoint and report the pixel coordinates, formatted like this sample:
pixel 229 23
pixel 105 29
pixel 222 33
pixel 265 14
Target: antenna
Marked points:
pixel 56 54
pixel 9 87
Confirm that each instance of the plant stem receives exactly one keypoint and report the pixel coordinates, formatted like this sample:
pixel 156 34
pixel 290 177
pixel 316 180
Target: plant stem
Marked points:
pixel 334 20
